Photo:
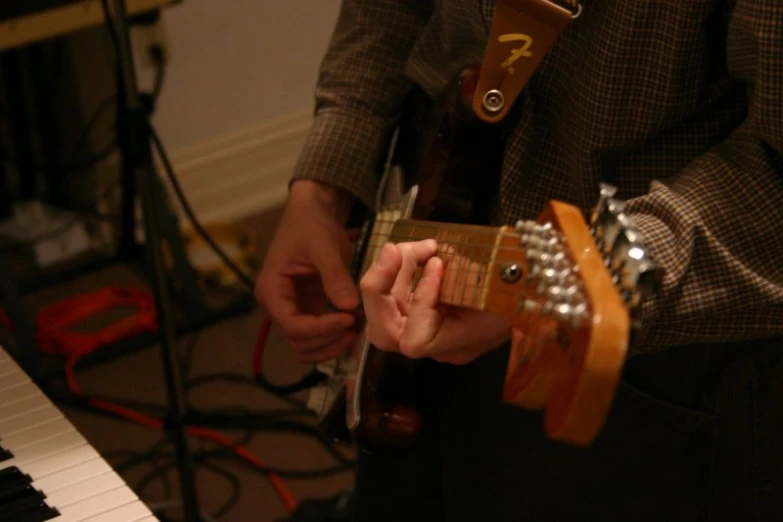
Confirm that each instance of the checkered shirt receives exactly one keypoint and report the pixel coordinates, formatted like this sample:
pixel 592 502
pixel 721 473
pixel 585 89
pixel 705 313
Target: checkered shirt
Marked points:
pixel 678 103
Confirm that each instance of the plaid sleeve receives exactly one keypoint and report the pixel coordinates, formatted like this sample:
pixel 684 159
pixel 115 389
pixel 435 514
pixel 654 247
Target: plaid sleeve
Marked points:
pixel 716 226
pixel 360 85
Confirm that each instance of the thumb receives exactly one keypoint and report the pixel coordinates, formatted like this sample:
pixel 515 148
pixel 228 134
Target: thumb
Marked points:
pixel 337 281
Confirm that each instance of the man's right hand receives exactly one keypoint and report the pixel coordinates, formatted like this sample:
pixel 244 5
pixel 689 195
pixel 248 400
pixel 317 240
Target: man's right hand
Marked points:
pixel 305 271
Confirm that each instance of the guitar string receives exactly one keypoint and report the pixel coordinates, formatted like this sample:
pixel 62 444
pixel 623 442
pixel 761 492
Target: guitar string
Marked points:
pixel 402 238
pixel 489 232
pixel 423 223
pixel 493 232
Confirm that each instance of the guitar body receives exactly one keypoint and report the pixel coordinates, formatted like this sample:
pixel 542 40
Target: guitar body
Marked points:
pixel 444 167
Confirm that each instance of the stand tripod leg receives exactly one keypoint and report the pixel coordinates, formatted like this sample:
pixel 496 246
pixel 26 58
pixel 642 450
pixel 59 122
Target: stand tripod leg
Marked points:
pixel 140 159
pixel 177 427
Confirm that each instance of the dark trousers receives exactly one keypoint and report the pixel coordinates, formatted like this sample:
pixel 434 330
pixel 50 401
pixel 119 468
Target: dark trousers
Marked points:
pixel 695 434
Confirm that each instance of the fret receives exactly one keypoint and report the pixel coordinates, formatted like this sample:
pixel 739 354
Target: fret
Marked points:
pixel 468 253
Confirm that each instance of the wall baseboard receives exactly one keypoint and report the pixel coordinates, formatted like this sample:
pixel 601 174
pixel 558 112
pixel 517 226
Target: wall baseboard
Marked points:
pixel 235 176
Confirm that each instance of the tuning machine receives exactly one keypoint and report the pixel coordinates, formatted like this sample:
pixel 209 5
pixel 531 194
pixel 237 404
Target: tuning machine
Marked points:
pixel 635 271
pixel 558 290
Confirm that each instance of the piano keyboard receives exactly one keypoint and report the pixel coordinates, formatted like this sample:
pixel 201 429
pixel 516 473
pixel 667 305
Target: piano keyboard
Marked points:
pixel 48 470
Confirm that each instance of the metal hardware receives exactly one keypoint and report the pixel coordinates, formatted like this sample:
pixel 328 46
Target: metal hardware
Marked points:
pixel 493 101
pixel 510 273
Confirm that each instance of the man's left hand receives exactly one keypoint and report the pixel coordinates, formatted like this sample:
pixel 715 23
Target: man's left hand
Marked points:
pixel 415 323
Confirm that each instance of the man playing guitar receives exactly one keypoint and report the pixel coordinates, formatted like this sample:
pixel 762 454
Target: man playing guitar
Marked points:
pixel 677 103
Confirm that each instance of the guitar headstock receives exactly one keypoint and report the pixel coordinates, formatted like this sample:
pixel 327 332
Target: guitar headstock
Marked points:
pixel 579 289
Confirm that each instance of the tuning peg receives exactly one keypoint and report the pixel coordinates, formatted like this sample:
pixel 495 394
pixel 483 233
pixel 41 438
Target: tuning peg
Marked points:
pixel 638 274
pixel 609 224
pixel 605 193
pixel 525 227
pixel 574 314
pixel 650 279
pixel 564 293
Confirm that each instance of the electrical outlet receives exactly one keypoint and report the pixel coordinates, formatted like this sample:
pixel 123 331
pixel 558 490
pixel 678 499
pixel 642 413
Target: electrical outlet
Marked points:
pixel 145 38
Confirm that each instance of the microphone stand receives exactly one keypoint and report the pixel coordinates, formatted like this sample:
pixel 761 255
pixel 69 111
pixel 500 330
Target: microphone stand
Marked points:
pixel 143 170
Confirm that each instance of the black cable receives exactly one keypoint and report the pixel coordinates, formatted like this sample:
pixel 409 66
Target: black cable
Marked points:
pixel 265 470
pixel 246 279
pixel 149 456
pixel 82 403
pixel 236 488
pixel 188 355
pixel 112 33
pixel 160 469
pixel 255 421
pixel 244 379
pixel 294 474
pixel 136 458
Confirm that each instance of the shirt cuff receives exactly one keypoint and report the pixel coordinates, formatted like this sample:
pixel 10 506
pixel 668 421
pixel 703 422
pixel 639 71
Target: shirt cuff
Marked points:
pixel 346 151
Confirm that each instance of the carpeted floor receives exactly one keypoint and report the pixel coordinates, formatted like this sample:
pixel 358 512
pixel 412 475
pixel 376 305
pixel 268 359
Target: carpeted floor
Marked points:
pixel 225 347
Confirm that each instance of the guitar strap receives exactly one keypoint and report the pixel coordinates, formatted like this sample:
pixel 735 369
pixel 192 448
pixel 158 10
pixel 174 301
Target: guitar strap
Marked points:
pixel 522 33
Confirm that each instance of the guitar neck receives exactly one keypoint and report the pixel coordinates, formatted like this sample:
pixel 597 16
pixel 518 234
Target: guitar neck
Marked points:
pixel 469 253
pixel 505 270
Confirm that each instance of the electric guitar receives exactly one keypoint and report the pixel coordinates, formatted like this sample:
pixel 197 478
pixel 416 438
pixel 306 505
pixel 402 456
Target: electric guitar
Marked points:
pixel 570 285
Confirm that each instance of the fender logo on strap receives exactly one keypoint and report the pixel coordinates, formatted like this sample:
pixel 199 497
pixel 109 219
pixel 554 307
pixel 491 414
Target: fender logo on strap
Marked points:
pixel 517 53
pixel 504 74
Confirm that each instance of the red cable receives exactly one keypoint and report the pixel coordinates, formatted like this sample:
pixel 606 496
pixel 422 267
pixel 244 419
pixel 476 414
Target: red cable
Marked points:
pixel 53 336
pixel 258 354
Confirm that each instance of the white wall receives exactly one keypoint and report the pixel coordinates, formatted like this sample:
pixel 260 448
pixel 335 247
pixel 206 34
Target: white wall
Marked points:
pixel 236 63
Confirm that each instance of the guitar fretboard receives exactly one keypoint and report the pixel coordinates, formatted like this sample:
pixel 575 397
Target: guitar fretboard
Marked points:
pixel 469 254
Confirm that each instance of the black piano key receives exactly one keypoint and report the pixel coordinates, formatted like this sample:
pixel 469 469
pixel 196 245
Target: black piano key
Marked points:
pixel 12 475
pixel 40 513
pixel 28 505
pixel 20 501
pixel 4 453
pixel 12 483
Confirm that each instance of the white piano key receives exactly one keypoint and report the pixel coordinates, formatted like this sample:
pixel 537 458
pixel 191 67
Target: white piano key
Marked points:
pixel 6 370
pixel 34 426
pixel 133 512
pixel 59 461
pixel 23 404
pixel 99 504
pixel 44 449
pixel 13 380
pixel 83 471
pixel 82 490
